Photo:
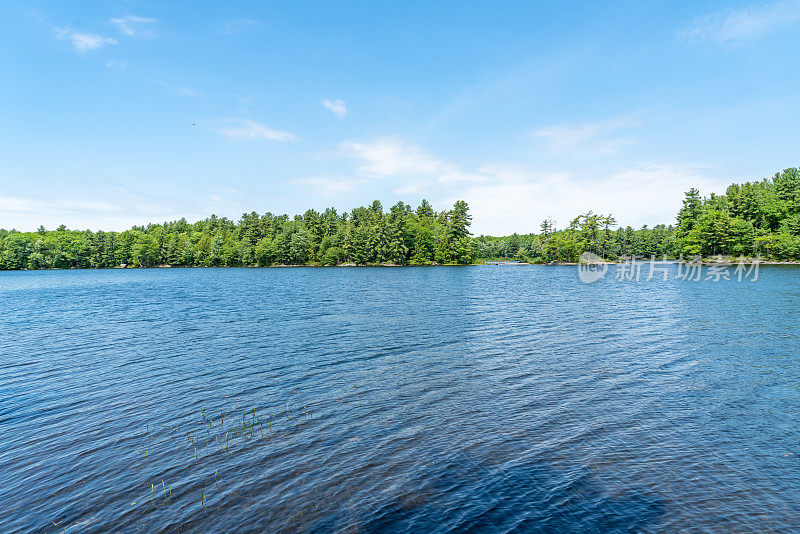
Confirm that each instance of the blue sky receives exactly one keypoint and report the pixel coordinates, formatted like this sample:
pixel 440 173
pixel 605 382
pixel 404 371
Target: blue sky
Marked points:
pixel 118 113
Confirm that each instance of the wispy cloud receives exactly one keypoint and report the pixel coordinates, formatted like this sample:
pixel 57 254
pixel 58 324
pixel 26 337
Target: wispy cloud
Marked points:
pixel 133 25
pixel 388 156
pixel 94 209
pixel 416 168
pixel 29 212
pixel 505 199
pixel 23 204
pixel 248 129
pixel 84 42
pixel 338 107
pixel 588 138
pixel 514 199
pixel 327 185
pixel 232 27
pixel 741 25
pixel 174 89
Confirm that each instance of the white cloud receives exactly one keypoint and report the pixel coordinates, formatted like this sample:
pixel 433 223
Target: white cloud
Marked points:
pixel 83 41
pixel 410 188
pixel 452 174
pixel 327 185
pixel 106 206
pixel 741 25
pixel 29 213
pixel 507 199
pixel 238 26
pixel 589 138
pixel 338 107
pixel 174 89
pixel 517 200
pixel 391 157
pixel 248 129
pixel 132 25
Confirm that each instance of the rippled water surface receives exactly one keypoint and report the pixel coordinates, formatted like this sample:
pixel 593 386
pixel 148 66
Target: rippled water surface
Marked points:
pixel 489 399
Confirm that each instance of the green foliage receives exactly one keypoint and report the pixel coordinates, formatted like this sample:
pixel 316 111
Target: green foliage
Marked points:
pixel 752 218
pixel 333 256
pixel 365 236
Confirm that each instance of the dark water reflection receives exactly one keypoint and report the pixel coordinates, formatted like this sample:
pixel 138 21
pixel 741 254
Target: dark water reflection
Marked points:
pixel 491 399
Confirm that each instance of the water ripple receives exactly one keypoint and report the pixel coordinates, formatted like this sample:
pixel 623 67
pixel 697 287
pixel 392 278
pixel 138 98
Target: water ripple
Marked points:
pixel 396 400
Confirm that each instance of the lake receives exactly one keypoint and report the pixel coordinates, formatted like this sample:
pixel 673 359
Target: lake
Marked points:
pixel 487 398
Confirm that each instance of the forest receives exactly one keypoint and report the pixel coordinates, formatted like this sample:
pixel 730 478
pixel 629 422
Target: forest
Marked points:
pixel 759 218
pixel 363 236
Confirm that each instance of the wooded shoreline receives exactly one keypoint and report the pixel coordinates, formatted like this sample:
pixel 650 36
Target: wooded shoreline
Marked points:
pixel 747 261
pixel 753 219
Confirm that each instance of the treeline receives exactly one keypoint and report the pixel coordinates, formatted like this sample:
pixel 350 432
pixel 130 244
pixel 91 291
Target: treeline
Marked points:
pixel 759 218
pixel 363 236
pixel 589 232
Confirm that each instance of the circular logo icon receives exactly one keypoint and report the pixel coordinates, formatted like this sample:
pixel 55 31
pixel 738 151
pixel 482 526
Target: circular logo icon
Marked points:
pixel 591 268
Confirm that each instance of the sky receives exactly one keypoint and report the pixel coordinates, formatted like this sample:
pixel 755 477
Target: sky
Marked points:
pixel 119 113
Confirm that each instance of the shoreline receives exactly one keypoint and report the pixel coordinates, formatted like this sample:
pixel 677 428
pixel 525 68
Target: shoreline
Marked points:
pixel 391 265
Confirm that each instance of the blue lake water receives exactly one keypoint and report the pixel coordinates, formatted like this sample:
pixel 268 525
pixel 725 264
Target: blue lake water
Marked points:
pixel 487 399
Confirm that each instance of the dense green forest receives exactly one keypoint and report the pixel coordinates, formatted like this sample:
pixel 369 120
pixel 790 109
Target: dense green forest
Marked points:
pixel 364 236
pixel 754 218
pixel 759 218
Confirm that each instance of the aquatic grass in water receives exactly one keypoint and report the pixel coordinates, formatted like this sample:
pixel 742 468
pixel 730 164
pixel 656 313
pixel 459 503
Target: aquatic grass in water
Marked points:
pixel 212 439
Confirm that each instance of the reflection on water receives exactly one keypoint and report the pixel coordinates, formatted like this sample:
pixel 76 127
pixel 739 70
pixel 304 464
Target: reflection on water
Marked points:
pixel 488 398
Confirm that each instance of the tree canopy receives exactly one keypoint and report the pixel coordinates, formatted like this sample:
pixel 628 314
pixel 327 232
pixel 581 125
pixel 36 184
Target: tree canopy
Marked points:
pixel 364 236
pixel 760 218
